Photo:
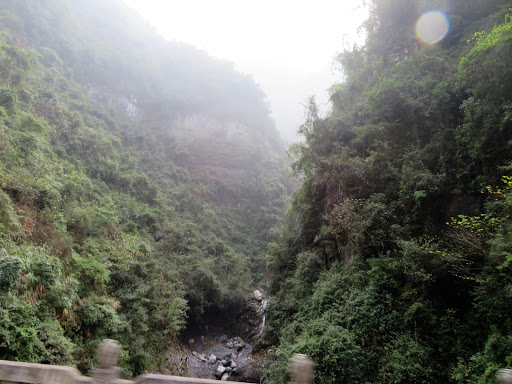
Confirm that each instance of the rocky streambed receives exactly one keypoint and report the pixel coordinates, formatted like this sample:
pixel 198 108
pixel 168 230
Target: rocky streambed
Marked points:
pixel 225 359
pixel 223 348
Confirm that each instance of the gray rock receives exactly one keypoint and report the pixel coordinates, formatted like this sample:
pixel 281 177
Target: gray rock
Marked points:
pixel 203 358
pixel 229 369
pixel 212 359
pixel 220 371
pixel 257 295
pixel 238 371
pixel 233 365
pixel 225 377
pixel 224 362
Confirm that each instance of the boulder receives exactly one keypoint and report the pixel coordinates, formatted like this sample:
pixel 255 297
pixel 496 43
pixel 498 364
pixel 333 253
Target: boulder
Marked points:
pixel 225 377
pixel 220 371
pixel 212 359
pixel 257 295
pixel 233 365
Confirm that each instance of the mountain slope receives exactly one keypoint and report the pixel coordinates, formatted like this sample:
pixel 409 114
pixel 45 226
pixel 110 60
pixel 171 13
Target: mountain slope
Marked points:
pixel 393 264
pixel 139 181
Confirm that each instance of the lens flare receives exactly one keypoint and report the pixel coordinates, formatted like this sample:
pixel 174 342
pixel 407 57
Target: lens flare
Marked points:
pixel 432 27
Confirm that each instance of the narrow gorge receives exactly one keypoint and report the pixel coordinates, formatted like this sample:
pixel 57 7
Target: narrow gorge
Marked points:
pixel 146 196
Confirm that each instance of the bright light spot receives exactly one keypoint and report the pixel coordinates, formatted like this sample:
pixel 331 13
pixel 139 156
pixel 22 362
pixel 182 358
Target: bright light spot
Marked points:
pixel 432 27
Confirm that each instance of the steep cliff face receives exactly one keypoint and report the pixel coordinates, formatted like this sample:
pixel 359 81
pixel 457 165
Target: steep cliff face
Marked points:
pixel 392 261
pixel 126 106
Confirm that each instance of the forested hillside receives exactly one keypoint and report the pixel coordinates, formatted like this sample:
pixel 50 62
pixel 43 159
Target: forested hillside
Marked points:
pixel 393 264
pixel 139 181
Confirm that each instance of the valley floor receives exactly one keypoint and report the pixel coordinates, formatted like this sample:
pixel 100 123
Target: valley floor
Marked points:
pixel 222 348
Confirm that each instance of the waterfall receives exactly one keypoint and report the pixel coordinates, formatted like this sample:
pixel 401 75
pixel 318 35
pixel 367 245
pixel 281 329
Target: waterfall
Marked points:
pixel 263 316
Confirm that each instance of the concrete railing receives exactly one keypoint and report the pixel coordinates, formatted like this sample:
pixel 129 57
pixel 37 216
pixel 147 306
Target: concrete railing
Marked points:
pixel 301 370
pixel 504 376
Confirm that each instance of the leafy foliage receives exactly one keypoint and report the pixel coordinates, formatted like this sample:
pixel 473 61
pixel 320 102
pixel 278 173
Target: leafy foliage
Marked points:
pixel 138 183
pixel 392 264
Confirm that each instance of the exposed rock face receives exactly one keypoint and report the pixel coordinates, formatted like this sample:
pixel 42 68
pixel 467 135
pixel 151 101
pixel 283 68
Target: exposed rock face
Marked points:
pixel 257 295
pixel 126 105
pixel 252 317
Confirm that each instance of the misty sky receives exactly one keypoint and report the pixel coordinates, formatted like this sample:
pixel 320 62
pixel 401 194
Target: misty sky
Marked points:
pixel 287 46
